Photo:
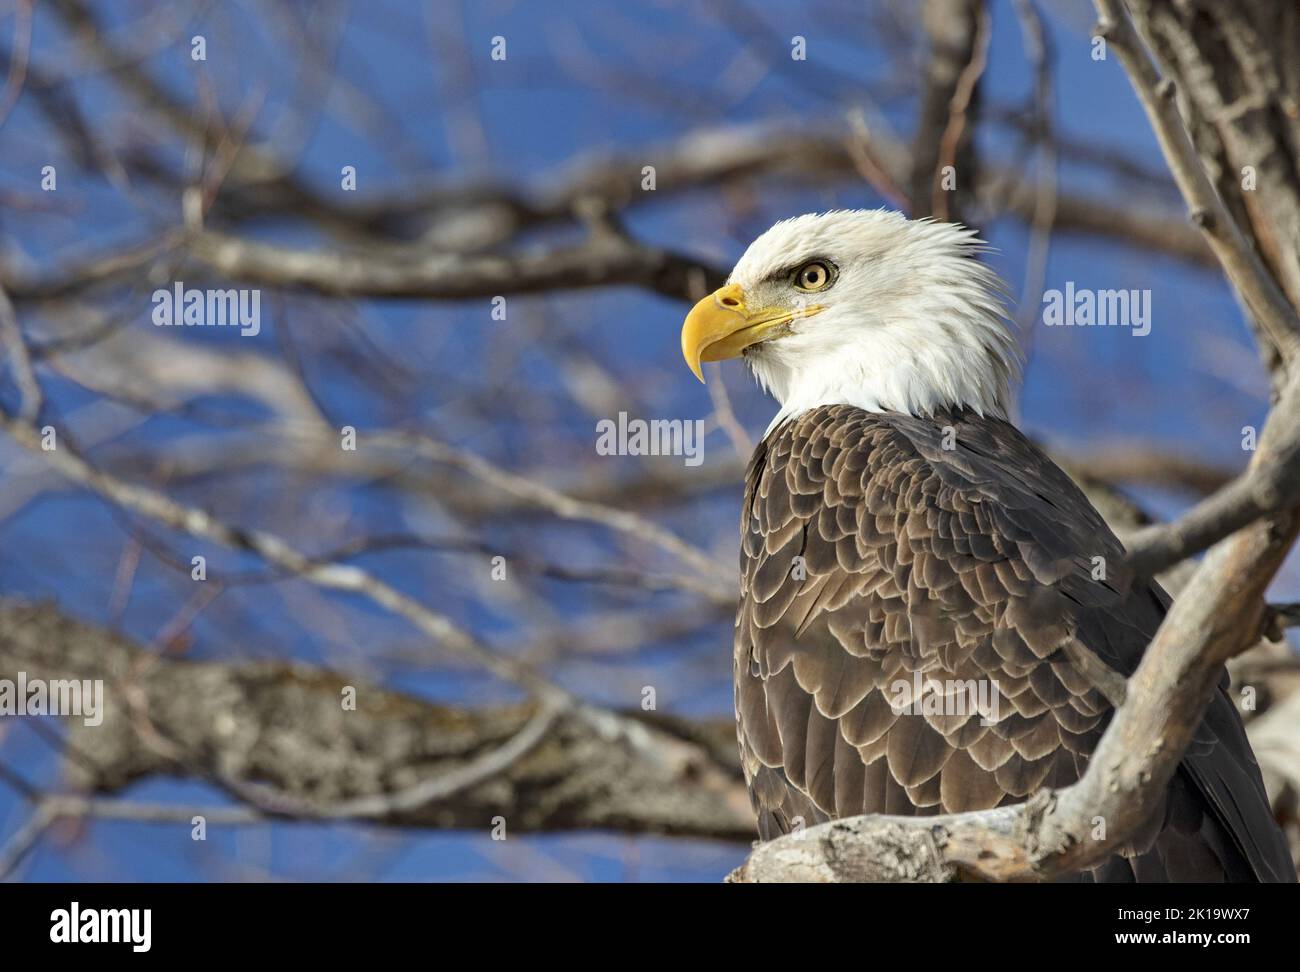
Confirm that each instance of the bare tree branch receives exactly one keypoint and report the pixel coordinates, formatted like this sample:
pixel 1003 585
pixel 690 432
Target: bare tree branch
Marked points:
pixel 1277 320
pixel 269 728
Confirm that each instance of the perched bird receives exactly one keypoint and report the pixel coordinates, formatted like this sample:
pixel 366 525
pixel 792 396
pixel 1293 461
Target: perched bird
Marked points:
pixel 921 587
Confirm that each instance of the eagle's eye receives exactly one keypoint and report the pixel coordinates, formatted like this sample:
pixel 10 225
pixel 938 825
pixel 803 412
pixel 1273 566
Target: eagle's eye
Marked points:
pixel 813 276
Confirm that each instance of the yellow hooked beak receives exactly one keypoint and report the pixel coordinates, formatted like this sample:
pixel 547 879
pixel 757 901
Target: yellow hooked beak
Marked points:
pixel 722 326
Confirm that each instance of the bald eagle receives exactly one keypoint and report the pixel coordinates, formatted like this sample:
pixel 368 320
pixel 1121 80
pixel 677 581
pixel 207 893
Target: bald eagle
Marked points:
pixel 917 578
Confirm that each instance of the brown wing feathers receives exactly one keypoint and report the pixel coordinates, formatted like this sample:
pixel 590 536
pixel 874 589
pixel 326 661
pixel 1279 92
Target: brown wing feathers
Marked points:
pixel 876 547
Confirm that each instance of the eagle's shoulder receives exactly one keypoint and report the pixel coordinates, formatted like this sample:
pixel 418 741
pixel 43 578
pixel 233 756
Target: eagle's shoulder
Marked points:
pixel 952 493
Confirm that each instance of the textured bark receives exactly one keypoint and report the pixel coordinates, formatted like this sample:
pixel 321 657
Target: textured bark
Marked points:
pixel 278 731
pixel 1238 90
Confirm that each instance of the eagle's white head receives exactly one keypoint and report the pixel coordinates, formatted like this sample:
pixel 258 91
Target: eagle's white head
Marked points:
pixel 865 308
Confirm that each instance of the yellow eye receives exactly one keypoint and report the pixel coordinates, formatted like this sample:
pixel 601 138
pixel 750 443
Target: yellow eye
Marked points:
pixel 812 276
